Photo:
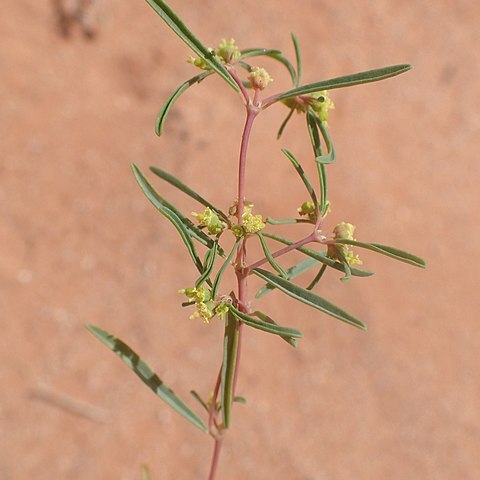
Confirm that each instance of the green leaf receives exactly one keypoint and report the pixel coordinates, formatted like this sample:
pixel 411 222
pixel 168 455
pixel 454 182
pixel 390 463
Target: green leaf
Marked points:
pixel 265 326
pixel 303 176
pixel 309 298
pixel 230 348
pixel 298 57
pixel 288 338
pixel 258 52
pixel 346 81
pixel 162 115
pixel 388 251
pixel 199 399
pixel 287 221
pixel 220 272
pixel 292 272
pixel 330 155
pixel 239 399
pixel 156 201
pixel 275 54
pixel 143 371
pixel 284 123
pixel 169 178
pixel 269 256
pixel 192 229
pixel 317 278
pixel 317 149
pixel 209 263
pixel 320 256
pixel 174 22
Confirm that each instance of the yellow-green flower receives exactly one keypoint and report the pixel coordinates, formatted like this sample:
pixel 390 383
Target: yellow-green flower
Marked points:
pixel 308 209
pixel 222 309
pixel 210 220
pixel 228 51
pixel 259 78
pixel 343 231
pixel 252 223
pixel 321 103
pixel 199 62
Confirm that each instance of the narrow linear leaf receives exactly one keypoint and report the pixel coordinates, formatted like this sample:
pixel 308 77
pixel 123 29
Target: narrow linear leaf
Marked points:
pixel 288 338
pixel 286 221
pixel 292 272
pixel 298 57
pixel 230 348
pixel 284 123
pixel 169 178
pixel 317 149
pixel 153 197
pixel 260 324
pixel 192 229
pixel 162 115
pixel 143 371
pixel 199 399
pixel 177 25
pixel 239 399
pixel 275 54
pixel 303 176
pixel 257 52
pixel 329 157
pixel 209 263
pixel 320 256
pixel 317 278
pixel 222 269
pixel 347 81
pixel 309 298
pixel 388 251
pixel 269 256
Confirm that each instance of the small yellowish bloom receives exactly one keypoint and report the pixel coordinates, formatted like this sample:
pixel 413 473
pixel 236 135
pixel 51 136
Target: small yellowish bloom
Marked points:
pixel 343 231
pixel 252 223
pixel 322 104
pixel 204 310
pixel 210 220
pixel 199 63
pixel 259 78
pixel 228 51
pixel 308 209
pixel 222 309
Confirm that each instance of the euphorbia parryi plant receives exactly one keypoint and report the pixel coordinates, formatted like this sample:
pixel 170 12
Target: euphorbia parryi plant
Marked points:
pixel 214 229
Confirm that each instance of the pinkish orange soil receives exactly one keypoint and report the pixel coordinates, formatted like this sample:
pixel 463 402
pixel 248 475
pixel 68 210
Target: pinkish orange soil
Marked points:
pixel 79 243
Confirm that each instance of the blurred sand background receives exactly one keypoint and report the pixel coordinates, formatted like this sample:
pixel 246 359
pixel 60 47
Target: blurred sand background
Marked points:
pixel 80 243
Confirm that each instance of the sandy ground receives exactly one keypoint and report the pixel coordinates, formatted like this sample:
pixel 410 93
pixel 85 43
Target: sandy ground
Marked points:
pixel 79 243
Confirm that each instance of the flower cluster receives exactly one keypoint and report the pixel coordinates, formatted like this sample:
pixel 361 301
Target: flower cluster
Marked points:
pixel 308 209
pixel 340 252
pixel 210 220
pixel 250 223
pixel 319 102
pixel 226 52
pixel 259 78
pixel 206 307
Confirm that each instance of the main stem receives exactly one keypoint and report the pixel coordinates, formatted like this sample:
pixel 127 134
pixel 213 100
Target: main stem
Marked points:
pixel 240 263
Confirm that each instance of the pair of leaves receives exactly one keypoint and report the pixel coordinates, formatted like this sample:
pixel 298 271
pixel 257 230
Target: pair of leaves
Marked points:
pixel 320 256
pixel 145 373
pixel 179 222
pixel 177 25
pixel 309 298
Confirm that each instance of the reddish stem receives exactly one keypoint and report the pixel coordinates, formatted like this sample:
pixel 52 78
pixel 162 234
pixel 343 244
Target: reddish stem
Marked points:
pixel 215 458
pixel 282 251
